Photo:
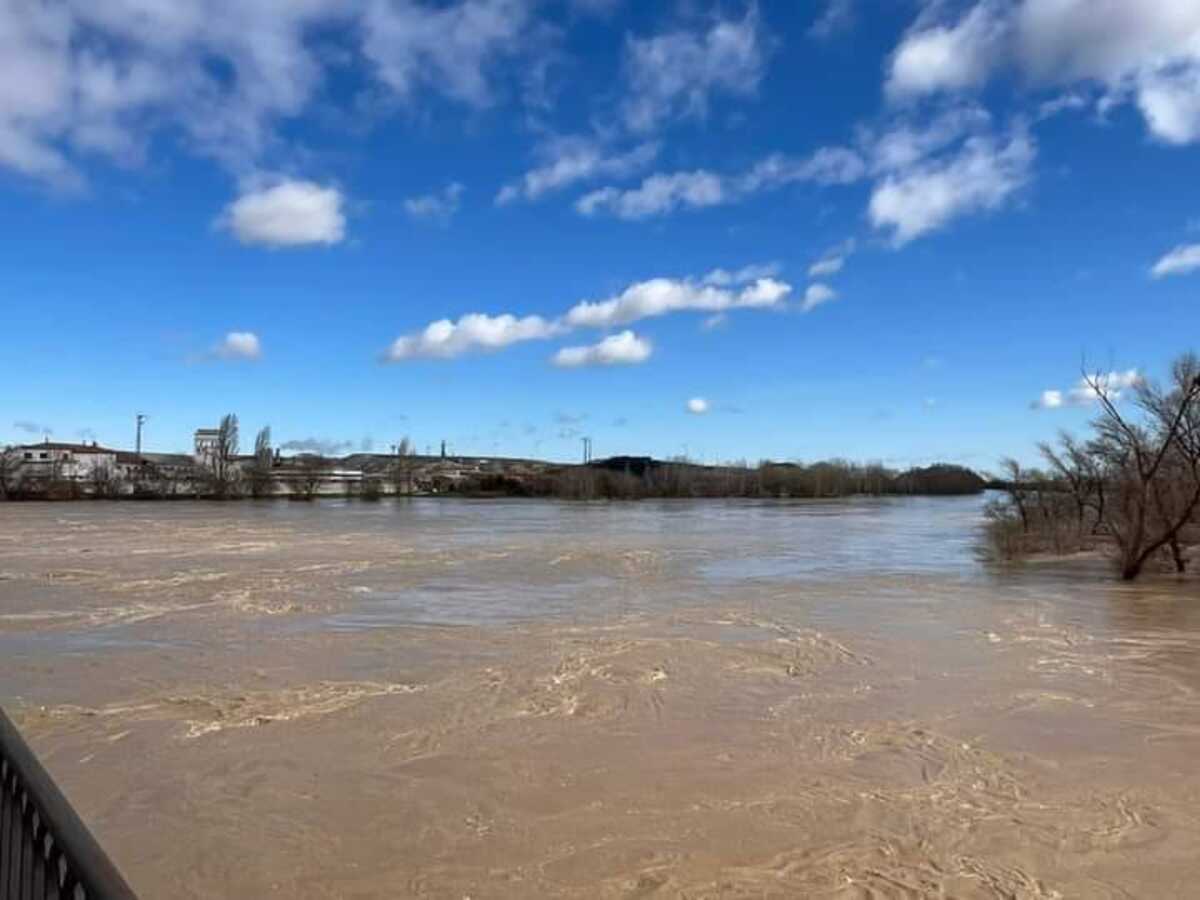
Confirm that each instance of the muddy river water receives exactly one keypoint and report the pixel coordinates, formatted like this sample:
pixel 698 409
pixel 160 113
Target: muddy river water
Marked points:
pixel 457 699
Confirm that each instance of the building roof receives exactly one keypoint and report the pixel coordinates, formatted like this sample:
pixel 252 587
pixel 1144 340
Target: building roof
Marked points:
pixel 74 448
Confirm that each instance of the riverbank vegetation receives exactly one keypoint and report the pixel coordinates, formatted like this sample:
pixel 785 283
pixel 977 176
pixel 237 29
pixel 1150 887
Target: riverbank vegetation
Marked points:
pixel 1130 488
pixel 632 478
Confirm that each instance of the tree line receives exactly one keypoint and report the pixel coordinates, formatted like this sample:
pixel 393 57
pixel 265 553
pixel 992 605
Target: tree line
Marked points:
pixel 620 479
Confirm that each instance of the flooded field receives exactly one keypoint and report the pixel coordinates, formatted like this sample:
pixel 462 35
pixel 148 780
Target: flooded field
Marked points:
pixel 440 698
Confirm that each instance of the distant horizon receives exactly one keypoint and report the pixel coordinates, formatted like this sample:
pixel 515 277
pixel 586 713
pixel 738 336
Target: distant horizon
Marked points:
pixel 719 229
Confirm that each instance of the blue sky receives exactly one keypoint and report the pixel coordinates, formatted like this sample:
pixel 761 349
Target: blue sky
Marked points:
pixel 879 230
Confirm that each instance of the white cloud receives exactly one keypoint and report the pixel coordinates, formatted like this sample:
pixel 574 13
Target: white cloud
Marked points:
pixel 657 194
pixel 445 339
pixel 826 166
pixel 1146 51
pixel 573 159
pixel 724 278
pixel 833 260
pixel 449 48
pixel 981 176
pixel 816 295
pixel 84 77
pixel 906 143
pixel 1170 102
pixel 436 206
pixel 838 16
pixel 239 345
pixel 624 348
pixel 697 406
pixel 826 266
pixel 927 172
pixel 288 214
pixel 674 74
pixel 660 296
pixel 1051 399
pixel 221 72
pixel 1113 384
pixel 949 57
pixel 664 192
pixel 1183 259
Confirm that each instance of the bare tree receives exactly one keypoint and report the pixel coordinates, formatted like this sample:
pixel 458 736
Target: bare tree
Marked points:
pixel 1015 488
pixel 10 463
pixel 311 470
pixel 223 460
pixel 105 483
pixel 262 477
pixel 401 471
pixel 1153 469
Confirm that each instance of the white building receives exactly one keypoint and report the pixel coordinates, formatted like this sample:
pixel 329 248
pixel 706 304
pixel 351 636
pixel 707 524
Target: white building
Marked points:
pixel 66 462
pixel 205 443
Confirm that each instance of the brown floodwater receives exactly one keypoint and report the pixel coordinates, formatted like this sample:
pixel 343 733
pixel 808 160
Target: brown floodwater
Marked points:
pixel 441 698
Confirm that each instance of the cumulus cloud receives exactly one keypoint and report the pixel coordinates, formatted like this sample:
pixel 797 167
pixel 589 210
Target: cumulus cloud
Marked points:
pixel 980 176
pixel 239 345
pixel 660 296
pixel 569 160
pixel 475 331
pixel 832 261
pixel 673 75
pixel 1170 102
pixel 436 206
pixel 950 56
pixel 697 406
pixel 1146 52
pixel 816 294
pixel 1083 393
pixel 1183 259
pixel 445 339
pixel 287 214
pixel 623 348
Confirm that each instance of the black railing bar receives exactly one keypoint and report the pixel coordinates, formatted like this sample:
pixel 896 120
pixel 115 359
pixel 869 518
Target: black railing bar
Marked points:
pixel 85 858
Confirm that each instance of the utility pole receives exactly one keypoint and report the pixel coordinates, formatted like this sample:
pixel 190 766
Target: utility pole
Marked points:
pixel 587 450
pixel 141 419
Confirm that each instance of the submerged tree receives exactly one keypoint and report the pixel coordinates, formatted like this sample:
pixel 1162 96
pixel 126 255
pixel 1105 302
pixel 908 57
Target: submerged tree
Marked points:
pixel 262 476
pixel 312 472
pixel 1152 469
pixel 222 461
pixel 10 463
pixel 402 466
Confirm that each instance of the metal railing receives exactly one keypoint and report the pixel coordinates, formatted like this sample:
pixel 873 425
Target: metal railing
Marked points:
pixel 45 850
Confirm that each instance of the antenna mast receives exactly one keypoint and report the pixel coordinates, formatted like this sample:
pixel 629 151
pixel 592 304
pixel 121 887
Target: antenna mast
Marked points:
pixel 141 419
